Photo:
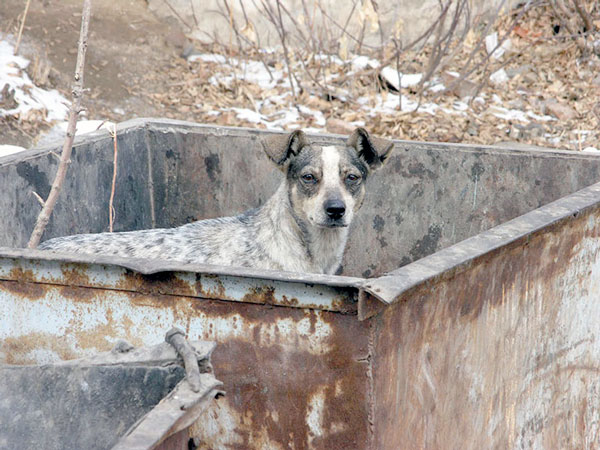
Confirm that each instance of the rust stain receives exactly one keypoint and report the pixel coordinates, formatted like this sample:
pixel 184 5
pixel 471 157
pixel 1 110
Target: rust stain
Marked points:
pixel 101 337
pixel 271 381
pixel 22 284
pixel 473 346
pixel 24 289
pixel 157 283
pixel 19 274
pixel 80 294
pixel 217 292
pixel 74 275
pixel 17 350
pixel 271 387
pixel 289 301
pixel 261 294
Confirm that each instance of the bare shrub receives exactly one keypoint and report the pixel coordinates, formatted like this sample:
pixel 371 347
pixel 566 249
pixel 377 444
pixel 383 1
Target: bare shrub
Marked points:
pixel 578 19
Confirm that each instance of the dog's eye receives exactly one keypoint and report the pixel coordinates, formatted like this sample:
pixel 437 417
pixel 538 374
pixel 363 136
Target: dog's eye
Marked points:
pixel 309 178
pixel 352 177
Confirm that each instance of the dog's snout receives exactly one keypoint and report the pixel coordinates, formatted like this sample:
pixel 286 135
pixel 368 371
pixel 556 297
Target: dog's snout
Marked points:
pixel 335 209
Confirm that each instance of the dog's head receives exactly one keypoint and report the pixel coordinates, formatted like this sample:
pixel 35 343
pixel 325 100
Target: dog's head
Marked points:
pixel 326 183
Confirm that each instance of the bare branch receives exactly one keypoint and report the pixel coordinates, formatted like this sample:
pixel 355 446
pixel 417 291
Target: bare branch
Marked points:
pixel 38 198
pixel 21 27
pixel 174 11
pixel 65 157
pixel 111 209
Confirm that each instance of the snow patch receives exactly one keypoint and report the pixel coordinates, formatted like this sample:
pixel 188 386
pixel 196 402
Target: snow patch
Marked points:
pixel 6 149
pixel 362 62
pixel 27 96
pixel 499 77
pixel 591 150
pixel 491 42
pixel 58 132
pixel 281 119
pixel 399 79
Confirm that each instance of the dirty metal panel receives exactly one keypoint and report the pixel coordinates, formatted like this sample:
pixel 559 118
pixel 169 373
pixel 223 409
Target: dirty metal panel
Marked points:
pixel 133 399
pixel 294 377
pixel 28 268
pixel 504 354
pixel 427 197
pixel 392 287
pixel 82 205
pixel 79 407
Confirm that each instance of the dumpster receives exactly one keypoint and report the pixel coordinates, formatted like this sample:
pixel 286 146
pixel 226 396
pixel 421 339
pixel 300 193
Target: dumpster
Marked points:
pixel 466 314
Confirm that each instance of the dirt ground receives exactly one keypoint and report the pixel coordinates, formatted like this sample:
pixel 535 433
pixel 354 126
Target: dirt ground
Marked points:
pixel 126 42
pixel 134 68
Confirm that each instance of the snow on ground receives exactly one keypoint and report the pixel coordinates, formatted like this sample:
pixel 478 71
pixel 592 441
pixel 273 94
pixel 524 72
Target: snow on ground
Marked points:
pixel 27 96
pixel 15 82
pixel 6 150
pixel 246 70
pixel 57 134
pixel 287 112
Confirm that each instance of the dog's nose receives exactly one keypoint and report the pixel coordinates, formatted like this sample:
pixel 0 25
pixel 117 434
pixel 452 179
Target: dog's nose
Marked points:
pixel 335 209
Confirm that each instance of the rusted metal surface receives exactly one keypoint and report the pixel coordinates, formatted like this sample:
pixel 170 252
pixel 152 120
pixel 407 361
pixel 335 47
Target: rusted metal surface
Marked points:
pixel 295 377
pixel 28 268
pixel 503 354
pixel 489 343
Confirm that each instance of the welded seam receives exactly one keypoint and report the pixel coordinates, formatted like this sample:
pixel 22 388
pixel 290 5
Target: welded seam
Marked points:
pixel 179 295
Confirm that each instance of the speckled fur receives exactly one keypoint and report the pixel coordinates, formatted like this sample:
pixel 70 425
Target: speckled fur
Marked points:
pixel 289 232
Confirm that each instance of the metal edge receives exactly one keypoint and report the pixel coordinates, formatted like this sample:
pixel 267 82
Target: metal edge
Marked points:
pixel 389 288
pixel 154 266
pixel 159 123
pixel 166 124
pixel 174 413
pixel 93 136
pixel 288 289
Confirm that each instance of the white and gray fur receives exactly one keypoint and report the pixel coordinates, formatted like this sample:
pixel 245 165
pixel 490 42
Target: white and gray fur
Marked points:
pixel 303 227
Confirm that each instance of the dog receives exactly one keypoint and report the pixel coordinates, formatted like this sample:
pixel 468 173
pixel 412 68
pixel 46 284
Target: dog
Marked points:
pixel 303 227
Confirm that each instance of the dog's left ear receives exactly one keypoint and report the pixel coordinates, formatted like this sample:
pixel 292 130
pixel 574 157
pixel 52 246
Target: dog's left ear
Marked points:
pixel 375 151
pixel 280 148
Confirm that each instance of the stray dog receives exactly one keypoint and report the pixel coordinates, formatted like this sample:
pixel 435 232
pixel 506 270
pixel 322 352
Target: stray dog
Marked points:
pixel 303 227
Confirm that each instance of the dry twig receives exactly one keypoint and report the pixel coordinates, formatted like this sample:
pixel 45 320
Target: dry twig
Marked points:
pixel 111 208
pixel 74 111
pixel 21 27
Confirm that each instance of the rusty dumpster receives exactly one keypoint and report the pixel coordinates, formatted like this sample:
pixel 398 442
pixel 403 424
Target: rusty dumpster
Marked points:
pixel 466 315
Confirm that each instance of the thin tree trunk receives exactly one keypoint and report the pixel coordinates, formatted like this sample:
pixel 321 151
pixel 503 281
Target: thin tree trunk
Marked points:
pixel 65 156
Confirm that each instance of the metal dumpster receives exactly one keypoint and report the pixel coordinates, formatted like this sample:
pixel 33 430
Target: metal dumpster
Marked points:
pixel 466 316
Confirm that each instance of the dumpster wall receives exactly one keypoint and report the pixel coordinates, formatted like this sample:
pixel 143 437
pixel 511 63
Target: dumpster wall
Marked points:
pixel 488 352
pixel 427 197
pixel 55 408
pixel 504 353
pixel 83 203
pixel 294 377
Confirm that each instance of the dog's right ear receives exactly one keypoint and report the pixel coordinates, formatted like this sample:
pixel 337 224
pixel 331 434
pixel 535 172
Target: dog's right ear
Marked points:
pixel 280 148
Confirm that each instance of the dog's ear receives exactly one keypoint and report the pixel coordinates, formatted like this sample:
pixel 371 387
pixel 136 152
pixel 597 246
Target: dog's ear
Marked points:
pixel 280 148
pixel 375 151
